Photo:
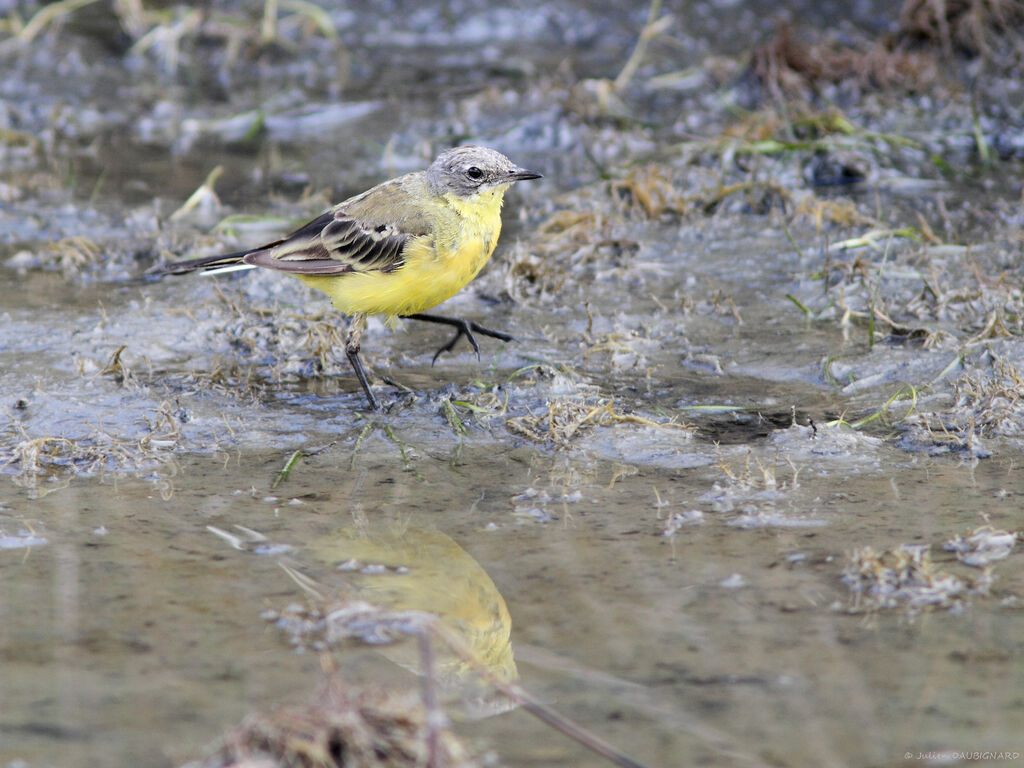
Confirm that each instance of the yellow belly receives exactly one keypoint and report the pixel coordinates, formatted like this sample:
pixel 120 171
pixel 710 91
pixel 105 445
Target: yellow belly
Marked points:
pixel 435 268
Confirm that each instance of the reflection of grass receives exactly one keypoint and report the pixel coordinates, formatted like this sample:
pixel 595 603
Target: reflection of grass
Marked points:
pixel 902 576
pixel 757 476
pixel 907 577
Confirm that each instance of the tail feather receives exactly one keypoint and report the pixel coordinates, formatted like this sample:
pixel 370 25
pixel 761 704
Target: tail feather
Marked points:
pixel 204 264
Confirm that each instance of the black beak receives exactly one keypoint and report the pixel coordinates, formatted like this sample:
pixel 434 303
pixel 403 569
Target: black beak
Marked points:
pixel 521 174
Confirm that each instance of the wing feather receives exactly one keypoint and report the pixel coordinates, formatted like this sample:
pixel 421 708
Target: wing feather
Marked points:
pixel 367 233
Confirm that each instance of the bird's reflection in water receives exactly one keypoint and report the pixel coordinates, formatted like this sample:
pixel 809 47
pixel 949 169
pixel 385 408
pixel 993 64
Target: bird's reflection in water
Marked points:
pixel 401 573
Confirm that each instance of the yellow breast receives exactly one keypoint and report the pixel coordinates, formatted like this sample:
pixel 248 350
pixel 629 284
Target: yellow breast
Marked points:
pixel 436 265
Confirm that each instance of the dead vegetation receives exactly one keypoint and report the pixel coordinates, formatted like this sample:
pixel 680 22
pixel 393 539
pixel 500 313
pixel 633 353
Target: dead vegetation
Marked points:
pixel 73 254
pixel 304 342
pixel 174 35
pixel 974 27
pixel 907 578
pixel 903 577
pixel 755 476
pixel 38 460
pixel 790 66
pixel 275 339
pixel 565 418
pixel 985 405
pixel 778 158
pixel 597 231
pixel 929 34
pixel 993 404
pixel 905 286
pixel 342 726
pixel 565 244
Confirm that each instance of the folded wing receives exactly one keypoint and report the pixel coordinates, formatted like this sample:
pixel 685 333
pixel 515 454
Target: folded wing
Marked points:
pixel 334 244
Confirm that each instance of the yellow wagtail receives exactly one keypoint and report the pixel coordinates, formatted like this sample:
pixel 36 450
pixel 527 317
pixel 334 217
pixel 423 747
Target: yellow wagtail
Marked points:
pixel 397 249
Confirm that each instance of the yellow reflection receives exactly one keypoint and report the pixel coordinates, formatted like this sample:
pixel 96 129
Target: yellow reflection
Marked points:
pixel 409 568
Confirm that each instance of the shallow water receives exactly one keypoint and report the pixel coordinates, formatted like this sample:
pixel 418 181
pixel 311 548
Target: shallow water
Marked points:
pixel 645 510
pixel 134 634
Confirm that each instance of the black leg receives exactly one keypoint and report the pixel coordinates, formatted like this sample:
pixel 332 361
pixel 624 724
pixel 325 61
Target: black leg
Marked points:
pixel 357 366
pixel 463 328
pixel 355 330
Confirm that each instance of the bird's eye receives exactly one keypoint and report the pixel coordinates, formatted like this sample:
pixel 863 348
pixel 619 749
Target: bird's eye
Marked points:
pixel 474 173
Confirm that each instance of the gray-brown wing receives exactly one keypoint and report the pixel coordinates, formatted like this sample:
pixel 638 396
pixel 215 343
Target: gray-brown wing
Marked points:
pixel 333 244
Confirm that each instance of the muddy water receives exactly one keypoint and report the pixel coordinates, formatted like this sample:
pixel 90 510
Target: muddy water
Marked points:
pixel 673 573
pixel 133 634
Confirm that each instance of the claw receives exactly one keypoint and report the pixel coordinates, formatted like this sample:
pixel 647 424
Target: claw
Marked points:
pixel 463 328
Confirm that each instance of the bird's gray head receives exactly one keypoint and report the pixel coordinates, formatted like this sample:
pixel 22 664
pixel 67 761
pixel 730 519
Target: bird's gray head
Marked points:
pixel 467 170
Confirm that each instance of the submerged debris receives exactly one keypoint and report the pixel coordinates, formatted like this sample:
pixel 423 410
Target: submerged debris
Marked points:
pixel 906 577
pixel 342 726
pixel 678 520
pixel 982 546
pixel 23 539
